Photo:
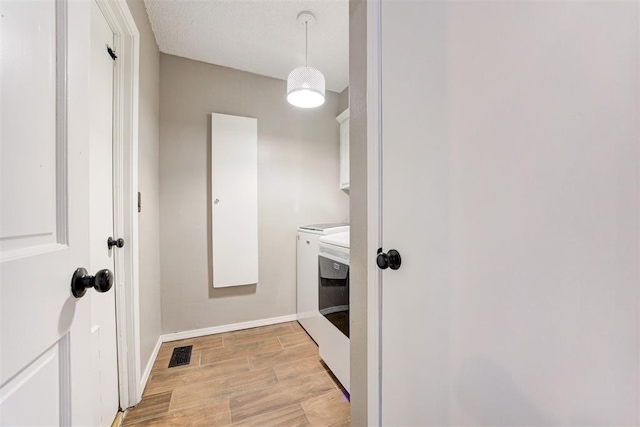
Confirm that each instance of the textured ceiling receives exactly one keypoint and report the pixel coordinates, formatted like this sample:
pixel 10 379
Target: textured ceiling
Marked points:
pixel 259 36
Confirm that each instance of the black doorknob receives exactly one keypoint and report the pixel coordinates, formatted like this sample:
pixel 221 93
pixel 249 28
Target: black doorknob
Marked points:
pixel 81 281
pixel 117 243
pixel 389 260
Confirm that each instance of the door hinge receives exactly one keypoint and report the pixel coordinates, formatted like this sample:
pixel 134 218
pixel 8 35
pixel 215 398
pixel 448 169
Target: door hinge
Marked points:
pixel 112 53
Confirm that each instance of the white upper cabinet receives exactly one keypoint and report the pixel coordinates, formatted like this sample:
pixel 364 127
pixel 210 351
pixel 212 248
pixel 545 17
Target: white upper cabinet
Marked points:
pixel 343 119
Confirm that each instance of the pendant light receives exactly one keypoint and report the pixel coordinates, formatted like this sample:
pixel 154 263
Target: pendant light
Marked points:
pixel 305 85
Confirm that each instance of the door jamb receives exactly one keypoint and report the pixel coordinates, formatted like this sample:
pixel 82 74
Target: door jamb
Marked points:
pixel 374 212
pixel 125 191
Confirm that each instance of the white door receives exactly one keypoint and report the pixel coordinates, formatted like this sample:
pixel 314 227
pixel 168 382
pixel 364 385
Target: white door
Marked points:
pixel 45 358
pixel 103 318
pixel 511 185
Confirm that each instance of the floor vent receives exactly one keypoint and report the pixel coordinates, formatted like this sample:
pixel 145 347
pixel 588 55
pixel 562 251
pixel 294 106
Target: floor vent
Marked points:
pixel 181 356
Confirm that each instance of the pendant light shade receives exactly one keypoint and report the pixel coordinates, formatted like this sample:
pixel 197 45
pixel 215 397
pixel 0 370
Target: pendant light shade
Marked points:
pixel 305 85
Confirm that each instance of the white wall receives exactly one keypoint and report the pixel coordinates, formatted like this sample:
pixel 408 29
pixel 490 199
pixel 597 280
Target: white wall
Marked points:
pixel 298 168
pixel 148 183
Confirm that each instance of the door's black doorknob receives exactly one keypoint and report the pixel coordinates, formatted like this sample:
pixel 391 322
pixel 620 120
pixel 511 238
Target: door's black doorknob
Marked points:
pixel 389 260
pixel 117 243
pixel 81 281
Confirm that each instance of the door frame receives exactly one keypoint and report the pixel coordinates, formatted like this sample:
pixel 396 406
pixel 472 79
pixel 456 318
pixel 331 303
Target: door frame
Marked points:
pixel 125 196
pixel 374 211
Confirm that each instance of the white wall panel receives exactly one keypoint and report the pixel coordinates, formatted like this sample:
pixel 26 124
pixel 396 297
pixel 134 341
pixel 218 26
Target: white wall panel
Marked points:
pixel 28 124
pixel 42 382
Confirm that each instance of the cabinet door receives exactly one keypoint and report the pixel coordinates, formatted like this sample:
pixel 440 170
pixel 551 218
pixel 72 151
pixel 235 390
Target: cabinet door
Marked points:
pixel 234 197
pixel 307 280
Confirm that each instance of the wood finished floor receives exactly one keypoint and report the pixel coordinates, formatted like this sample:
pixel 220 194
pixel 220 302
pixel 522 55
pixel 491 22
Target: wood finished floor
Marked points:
pixel 266 376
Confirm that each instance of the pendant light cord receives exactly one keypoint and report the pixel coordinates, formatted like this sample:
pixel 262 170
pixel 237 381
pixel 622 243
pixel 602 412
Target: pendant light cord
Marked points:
pixel 306 43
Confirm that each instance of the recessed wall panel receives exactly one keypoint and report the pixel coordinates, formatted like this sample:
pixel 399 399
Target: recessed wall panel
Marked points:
pixel 28 124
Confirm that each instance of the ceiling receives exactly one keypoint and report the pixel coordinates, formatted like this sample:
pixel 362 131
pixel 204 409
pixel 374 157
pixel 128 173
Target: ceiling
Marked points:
pixel 259 36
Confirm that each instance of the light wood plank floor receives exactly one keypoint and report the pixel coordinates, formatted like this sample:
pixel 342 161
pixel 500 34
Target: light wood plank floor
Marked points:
pixel 266 376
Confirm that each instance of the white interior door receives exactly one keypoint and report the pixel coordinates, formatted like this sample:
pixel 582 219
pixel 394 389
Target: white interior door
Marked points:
pixel 44 331
pixel 103 318
pixel 511 189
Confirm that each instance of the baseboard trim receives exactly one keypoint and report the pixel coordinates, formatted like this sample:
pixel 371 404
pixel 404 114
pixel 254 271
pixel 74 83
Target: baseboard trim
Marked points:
pixel 194 333
pixel 147 370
